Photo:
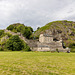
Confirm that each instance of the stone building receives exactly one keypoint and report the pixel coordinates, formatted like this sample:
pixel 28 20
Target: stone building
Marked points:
pixel 45 38
pixel 47 43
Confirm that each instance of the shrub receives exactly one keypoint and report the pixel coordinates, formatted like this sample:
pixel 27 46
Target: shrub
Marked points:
pixel 57 50
pixel 20 28
pixel 72 46
pixel 14 43
pixel 11 27
pixel 26 47
pixel 72 49
pixel 8 34
pixel 1 32
pixel 1 49
pixel 26 31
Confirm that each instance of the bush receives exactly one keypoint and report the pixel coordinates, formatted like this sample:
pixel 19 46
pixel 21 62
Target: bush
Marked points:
pixel 20 28
pixel 1 49
pixel 26 31
pixel 72 46
pixel 26 47
pixel 11 27
pixel 14 43
pixel 72 49
pixel 1 32
pixel 8 34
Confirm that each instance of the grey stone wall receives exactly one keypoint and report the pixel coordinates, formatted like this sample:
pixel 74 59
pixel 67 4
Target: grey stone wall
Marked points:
pixel 45 43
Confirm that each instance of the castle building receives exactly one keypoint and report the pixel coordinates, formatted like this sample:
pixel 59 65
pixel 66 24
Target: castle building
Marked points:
pixel 47 43
pixel 45 38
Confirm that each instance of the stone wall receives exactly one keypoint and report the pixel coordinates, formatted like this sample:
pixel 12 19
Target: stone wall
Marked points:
pixel 45 43
pixel 45 38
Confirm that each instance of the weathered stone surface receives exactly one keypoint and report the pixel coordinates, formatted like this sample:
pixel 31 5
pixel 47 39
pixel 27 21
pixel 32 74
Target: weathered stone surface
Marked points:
pixel 4 38
pixel 45 43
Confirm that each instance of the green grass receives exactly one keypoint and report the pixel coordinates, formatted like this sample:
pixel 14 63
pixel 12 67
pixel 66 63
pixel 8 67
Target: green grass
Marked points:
pixel 37 63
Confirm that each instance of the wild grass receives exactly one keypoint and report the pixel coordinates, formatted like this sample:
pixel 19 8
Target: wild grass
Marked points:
pixel 37 63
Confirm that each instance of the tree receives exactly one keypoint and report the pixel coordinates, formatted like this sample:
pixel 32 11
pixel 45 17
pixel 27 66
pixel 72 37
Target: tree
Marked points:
pixel 1 32
pixel 11 27
pixel 72 46
pixel 20 28
pixel 26 32
pixel 38 28
pixel 31 29
pixel 14 43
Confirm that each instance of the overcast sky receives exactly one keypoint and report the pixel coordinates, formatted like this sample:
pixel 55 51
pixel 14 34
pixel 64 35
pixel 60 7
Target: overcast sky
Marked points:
pixel 35 13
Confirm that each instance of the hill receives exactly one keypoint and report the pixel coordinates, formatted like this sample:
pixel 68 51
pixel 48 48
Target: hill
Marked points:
pixel 17 27
pixel 66 29
pixel 8 35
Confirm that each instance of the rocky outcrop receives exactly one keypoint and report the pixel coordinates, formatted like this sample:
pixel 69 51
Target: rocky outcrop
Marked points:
pixel 64 29
pixel 31 43
pixel 48 44
pixel 3 39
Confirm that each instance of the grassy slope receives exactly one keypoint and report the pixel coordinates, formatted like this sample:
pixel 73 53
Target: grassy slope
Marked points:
pixel 57 25
pixel 37 63
pixel 65 26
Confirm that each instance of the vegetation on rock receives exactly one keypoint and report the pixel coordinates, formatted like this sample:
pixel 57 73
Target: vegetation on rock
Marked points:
pixel 26 31
pixel 1 33
pixel 14 43
pixel 65 28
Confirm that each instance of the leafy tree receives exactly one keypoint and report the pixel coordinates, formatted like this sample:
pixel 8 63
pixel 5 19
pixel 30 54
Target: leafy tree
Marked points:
pixel 26 47
pixel 20 28
pixel 14 43
pixel 1 32
pixel 31 29
pixel 11 27
pixel 72 46
pixel 1 49
pixel 38 28
pixel 26 32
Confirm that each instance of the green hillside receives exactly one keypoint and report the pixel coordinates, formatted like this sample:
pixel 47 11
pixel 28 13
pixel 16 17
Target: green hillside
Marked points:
pixel 25 30
pixel 11 41
pixel 65 28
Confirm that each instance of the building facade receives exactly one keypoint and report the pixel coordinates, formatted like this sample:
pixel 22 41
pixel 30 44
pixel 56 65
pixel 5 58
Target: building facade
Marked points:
pixel 46 43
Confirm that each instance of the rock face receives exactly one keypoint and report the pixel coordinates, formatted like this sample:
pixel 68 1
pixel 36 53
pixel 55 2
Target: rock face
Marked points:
pixel 4 38
pixel 64 29
pixel 46 42
pixel 20 35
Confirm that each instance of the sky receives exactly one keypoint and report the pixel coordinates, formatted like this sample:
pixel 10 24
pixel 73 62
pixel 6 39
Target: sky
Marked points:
pixel 35 13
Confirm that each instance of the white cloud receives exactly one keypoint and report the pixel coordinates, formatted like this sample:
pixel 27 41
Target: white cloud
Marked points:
pixel 35 12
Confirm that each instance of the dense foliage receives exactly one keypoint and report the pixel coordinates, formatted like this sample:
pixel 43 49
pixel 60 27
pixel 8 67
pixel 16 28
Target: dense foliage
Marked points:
pixel 11 27
pixel 72 46
pixel 1 33
pixel 26 31
pixel 14 43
